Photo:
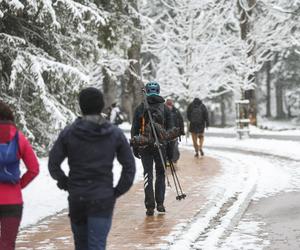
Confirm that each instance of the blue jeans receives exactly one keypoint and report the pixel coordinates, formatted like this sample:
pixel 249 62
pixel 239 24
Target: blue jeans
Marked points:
pixel 91 235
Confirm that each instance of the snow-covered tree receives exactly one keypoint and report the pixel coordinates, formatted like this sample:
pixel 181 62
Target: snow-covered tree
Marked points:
pixel 49 51
pixel 197 46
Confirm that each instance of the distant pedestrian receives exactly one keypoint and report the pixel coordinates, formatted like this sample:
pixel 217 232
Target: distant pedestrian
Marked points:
pixel 13 147
pixel 91 144
pixel 197 115
pixel 172 148
pixel 116 116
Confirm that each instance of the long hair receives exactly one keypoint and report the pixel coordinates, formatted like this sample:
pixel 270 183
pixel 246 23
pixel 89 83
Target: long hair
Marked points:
pixel 6 113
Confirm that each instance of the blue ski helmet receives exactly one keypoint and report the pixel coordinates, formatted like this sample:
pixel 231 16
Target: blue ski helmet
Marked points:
pixel 152 88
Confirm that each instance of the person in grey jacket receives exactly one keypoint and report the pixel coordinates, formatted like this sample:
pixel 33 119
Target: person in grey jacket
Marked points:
pixel 91 144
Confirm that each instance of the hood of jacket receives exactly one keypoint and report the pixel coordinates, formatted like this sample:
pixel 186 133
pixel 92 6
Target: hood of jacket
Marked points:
pixel 197 102
pixel 91 127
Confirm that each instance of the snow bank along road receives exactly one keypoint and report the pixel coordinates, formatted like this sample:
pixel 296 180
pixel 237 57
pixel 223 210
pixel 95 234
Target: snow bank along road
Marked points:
pixel 231 194
pixel 247 178
pixel 216 222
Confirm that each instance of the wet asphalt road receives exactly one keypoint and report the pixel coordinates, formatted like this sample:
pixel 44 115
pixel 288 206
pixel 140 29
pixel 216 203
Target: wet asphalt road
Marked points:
pixel 281 217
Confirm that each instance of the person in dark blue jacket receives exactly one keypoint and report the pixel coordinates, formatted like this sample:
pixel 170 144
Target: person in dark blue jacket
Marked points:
pixel 91 144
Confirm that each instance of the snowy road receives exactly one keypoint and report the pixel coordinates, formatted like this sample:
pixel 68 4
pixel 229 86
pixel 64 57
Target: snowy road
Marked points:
pixel 251 174
pixel 249 180
pixel 272 219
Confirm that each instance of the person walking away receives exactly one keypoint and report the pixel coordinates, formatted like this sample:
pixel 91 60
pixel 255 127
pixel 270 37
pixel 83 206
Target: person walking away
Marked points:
pixel 173 153
pixel 13 147
pixel 116 116
pixel 197 115
pixel 149 153
pixel 91 143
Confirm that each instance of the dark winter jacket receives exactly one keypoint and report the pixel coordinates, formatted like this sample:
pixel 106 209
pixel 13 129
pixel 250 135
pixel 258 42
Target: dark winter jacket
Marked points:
pixel 177 119
pixel 90 144
pixel 199 126
pixel 154 102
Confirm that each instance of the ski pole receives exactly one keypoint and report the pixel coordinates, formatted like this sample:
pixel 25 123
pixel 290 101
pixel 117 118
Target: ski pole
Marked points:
pixel 174 180
pixel 182 195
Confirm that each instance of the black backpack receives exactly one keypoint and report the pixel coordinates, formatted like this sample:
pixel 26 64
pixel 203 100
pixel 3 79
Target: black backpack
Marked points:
pixel 157 112
pixel 197 114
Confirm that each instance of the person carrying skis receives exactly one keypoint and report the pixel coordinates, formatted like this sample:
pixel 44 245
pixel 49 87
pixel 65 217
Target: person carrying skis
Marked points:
pixel 149 153
pixel 198 117
pixel 13 147
pixel 91 143
pixel 173 153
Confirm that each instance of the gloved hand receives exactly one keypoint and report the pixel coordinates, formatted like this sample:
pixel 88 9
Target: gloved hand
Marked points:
pixel 63 183
pixel 136 152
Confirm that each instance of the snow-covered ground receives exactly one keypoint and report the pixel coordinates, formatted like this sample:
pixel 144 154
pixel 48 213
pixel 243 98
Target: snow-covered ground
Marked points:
pixel 266 175
pixel 42 198
pixel 276 130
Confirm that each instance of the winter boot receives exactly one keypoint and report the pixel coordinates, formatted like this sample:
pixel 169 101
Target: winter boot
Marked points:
pixel 201 152
pixel 196 154
pixel 160 208
pixel 150 212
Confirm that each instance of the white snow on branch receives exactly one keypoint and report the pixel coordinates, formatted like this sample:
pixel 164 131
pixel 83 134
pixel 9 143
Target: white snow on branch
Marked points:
pixel 81 11
pixel 14 4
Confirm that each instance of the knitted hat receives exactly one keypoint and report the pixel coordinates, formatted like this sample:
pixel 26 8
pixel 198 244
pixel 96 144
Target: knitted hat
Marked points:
pixel 91 101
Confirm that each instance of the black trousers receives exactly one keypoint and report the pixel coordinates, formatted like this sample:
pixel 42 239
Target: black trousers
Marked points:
pixel 173 151
pixel 150 156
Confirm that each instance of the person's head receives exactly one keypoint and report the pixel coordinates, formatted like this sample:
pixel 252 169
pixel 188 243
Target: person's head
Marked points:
pixel 91 101
pixel 152 88
pixel 169 103
pixel 6 113
pixel 197 100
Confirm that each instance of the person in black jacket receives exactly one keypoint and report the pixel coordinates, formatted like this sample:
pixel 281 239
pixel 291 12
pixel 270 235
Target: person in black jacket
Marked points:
pixel 173 153
pixel 149 153
pixel 198 117
pixel 90 144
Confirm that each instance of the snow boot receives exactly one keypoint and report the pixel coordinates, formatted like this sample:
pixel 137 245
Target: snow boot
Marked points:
pixel 160 208
pixel 201 152
pixel 150 212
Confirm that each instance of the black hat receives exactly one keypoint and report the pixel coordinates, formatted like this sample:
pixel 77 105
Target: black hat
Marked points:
pixel 91 101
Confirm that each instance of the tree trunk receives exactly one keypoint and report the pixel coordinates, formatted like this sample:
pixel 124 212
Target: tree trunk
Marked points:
pixel 134 54
pixel 109 89
pixel 279 101
pixel 223 111
pixel 268 85
pixel 245 30
pixel 126 96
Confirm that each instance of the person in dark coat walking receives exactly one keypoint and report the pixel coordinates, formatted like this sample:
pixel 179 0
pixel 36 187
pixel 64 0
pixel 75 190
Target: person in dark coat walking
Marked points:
pixel 197 115
pixel 91 144
pixel 149 153
pixel 172 148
